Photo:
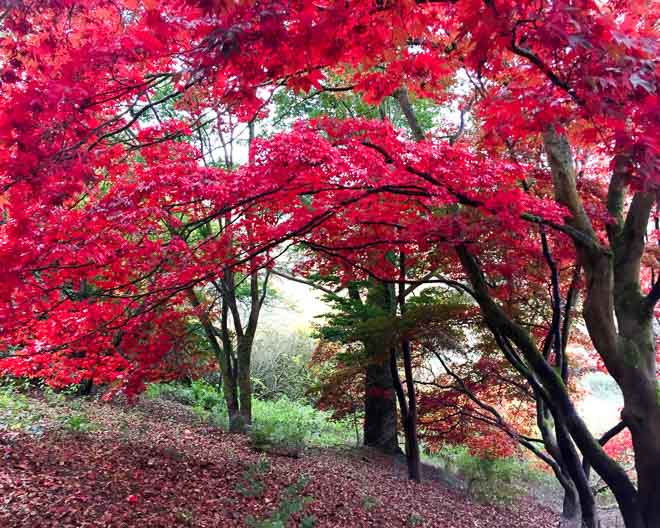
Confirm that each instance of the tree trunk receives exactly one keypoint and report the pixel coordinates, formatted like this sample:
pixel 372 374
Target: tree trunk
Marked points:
pixel 410 417
pixel 588 509
pixel 412 441
pixel 223 354
pixel 229 374
pixel 380 416
pixel 229 383
pixel 244 353
pixel 570 508
pixel 234 416
pixel 641 396
pixel 409 411
pixel 555 394
pixel 619 318
pixel 409 427
pixel 646 440
pixel 86 387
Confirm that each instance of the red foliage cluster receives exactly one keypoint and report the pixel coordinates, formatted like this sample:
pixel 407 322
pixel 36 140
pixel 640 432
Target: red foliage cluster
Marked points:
pixel 458 412
pixel 99 196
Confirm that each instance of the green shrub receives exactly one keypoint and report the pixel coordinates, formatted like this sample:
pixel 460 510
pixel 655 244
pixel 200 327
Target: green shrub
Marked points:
pixel 487 480
pixel 17 412
pixel 280 365
pixel 171 391
pixel 53 397
pixel 281 422
pixel 291 423
pixel 292 502
pixel 369 503
pixel 17 385
pixel 308 522
pixel 206 395
pixel 253 486
pixel 77 423
pixel 274 422
pixel 198 393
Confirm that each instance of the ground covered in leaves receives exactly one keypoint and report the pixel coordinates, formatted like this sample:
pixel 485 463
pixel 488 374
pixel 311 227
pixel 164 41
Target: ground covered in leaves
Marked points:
pixel 155 465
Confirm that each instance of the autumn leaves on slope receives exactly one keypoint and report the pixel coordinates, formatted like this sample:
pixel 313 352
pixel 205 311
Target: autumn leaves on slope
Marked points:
pixel 155 465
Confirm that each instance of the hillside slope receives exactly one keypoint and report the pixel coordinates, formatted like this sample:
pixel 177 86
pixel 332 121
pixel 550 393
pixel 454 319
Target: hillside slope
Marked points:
pixel 154 465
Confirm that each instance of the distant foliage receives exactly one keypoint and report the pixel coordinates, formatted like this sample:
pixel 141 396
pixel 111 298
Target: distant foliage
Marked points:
pixel 280 365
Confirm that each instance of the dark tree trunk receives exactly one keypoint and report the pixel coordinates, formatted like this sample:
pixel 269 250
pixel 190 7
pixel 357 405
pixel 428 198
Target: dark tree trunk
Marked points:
pixel 645 432
pixel 570 506
pixel 641 395
pixel 380 416
pixel 578 476
pixel 86 387
pixel 410 416
pixel 409 427
pixel 244 354
pixel 410 421
pixel 224 355
pixel 229 373
pixel 556 395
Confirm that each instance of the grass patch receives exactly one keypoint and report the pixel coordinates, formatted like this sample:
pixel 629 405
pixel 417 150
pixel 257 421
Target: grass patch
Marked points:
pixel 295 424
pixel 34 409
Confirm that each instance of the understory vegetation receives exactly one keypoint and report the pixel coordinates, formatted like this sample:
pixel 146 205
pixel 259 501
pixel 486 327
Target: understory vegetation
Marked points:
pixel 281 421
pixel 296 424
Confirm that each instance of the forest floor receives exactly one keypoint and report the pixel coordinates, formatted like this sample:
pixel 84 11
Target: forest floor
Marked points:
pixel 154 465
